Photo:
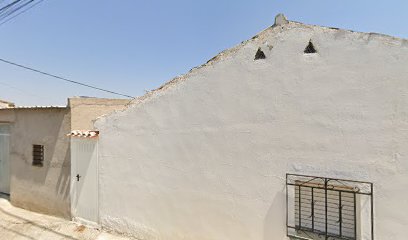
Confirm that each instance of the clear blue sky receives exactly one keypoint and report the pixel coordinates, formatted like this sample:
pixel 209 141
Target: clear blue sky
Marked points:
pixel 131 46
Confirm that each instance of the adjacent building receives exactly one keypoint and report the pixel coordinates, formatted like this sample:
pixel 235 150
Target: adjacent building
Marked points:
pixel 300 132
pixel 5 104
pixel 35 153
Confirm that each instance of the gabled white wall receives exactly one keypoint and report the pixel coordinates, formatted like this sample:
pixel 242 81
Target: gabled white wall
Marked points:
pixel 206 156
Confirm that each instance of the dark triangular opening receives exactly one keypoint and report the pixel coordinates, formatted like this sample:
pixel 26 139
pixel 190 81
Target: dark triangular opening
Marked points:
pixel 259 54
pixel 310 48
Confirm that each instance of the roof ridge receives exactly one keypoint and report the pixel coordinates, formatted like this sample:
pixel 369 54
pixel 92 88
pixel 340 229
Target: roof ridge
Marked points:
pixel 280 22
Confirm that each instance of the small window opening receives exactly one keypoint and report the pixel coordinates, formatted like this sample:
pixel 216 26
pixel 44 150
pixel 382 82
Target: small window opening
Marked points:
pixel 38 155
pixel 310 48
pixel 259 54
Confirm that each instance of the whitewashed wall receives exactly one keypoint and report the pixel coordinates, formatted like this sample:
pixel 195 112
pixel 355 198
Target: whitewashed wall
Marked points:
pixel 205 156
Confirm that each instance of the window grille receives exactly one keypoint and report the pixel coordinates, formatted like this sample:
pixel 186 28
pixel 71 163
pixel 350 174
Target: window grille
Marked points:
pixel 38 155
pixel 328 208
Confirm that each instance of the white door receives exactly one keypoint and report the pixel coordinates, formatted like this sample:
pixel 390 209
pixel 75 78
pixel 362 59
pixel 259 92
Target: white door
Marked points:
pixel 4 158
pixel 84 174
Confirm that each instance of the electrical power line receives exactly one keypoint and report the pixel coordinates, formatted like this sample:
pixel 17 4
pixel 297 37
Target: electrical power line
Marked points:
pixel 9 5
pixel 8 12
pixel 62 78
pixel 13 7
pixel 22 12
pixel 16 8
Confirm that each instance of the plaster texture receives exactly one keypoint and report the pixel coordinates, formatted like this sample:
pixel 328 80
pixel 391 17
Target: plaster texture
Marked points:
pixel 204 157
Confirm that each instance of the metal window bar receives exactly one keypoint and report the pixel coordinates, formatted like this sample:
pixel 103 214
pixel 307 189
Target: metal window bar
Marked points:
pixel 326 207
pixel 38 155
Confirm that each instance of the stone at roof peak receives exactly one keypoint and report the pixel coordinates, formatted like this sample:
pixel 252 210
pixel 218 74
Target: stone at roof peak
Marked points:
pixel 280 19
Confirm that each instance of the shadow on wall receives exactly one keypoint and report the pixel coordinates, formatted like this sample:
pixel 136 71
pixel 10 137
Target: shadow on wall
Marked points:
pixel 275 220
pixel 63 184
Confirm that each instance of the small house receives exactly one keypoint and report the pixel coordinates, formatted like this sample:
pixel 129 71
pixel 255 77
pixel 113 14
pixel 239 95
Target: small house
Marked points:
pixel 35 151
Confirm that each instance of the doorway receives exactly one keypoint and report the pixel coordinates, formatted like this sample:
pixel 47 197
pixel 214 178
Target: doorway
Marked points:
pixel 84 183
pixel 4 158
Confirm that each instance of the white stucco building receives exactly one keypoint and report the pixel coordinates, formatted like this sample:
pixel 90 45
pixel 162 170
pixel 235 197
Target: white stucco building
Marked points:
pixel 206 156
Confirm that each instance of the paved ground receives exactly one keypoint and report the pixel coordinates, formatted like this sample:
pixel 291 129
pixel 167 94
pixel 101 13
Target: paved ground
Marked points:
pixel 19 224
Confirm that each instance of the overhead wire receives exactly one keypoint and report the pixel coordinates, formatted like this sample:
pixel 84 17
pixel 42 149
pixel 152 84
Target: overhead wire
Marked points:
pixel 22 12
pixel 8 12
pixel 18 7
pixel 64 79
pixel 9 5
pixel 11 9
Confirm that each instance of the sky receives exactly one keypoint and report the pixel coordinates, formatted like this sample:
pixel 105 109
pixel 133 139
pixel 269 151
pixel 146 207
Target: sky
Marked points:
pixel 133 46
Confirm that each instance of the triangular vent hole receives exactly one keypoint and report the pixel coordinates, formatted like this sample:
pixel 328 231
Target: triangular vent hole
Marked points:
pixel 259 54
pixel 310 48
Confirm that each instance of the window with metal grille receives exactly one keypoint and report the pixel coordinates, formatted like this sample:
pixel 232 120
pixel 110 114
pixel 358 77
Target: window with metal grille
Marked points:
pixel 38 155
pixel 328 208
pixel 310 201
